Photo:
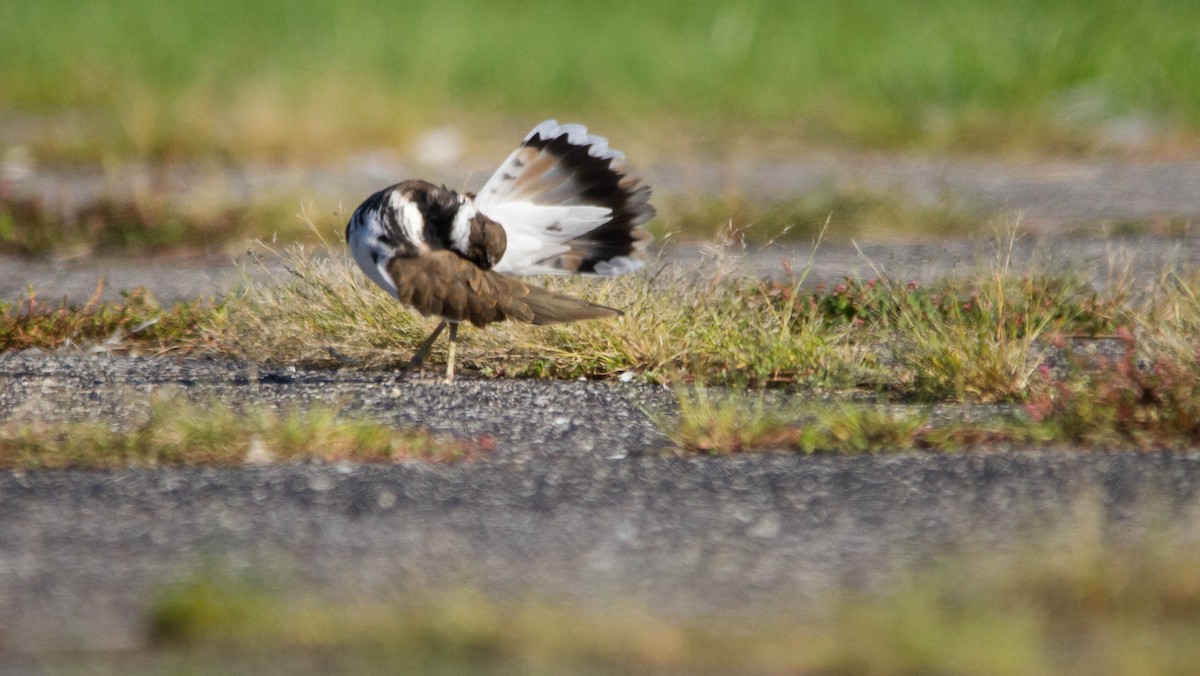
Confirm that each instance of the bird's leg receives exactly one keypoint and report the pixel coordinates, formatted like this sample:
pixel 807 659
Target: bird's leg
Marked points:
pixel 418 360
pixel 450 356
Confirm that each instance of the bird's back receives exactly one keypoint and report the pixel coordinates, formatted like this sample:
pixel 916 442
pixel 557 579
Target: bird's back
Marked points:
pixel 560 203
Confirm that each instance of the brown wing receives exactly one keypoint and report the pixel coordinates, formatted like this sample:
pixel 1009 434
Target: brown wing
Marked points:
pixel 445 284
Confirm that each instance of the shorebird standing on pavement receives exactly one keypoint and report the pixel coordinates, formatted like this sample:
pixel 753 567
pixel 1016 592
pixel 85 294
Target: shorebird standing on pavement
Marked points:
pixel 560 203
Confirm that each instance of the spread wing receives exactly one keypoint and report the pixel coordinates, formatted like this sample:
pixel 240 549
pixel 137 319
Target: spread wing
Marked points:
pixel 445 284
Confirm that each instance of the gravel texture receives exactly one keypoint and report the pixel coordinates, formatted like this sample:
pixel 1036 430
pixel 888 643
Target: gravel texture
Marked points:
pixel 581 499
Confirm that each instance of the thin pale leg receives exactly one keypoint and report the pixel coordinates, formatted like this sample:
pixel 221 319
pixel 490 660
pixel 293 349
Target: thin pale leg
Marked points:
pixel 450 355
pixel 418 360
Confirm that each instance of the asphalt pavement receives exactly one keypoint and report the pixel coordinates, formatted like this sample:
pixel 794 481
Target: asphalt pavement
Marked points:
pixel 582 498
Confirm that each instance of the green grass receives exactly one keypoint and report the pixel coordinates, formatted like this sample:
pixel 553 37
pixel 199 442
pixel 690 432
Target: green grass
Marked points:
pixel 720 423
pixel 206 221
pixel 733 421
pixel 974 338
pixel 179 432
pixel 313 79
pixel 837 214
pixel 1141 399
pixel 988 336
pixel 128 219
pixel 718 326
pixel 136 321
pixel 144 223
pixel 1122 403
pixel 981 340
pixel 1081 607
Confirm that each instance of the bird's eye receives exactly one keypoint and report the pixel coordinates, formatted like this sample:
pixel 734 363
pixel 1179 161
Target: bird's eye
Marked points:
pixel 386 240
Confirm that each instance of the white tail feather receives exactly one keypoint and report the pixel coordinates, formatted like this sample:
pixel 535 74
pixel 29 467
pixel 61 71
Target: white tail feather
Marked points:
pixel 540 232
pixel 543 203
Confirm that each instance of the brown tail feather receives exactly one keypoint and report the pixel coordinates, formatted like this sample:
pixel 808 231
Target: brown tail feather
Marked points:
pixel 445 284
pixel 548 307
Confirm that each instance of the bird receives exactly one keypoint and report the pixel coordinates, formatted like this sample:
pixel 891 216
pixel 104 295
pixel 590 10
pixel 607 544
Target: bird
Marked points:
pixel 563 202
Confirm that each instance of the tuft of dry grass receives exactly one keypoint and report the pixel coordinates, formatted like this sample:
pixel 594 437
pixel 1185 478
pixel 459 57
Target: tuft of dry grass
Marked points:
pixel 710 324
pixel 178 432
pixel 1143 399
pixel 980 341
pixel 1170 325
pixel 738 422
pixel 136 320
pixel 729 422
pixel 871 429
pixel 1152 404
pixel 983 337
pixel 976 338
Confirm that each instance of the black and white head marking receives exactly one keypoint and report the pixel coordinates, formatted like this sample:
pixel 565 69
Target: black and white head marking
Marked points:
pixel 416 217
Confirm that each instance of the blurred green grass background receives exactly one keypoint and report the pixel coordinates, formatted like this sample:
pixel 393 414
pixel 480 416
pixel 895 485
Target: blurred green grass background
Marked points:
pixel 87 79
